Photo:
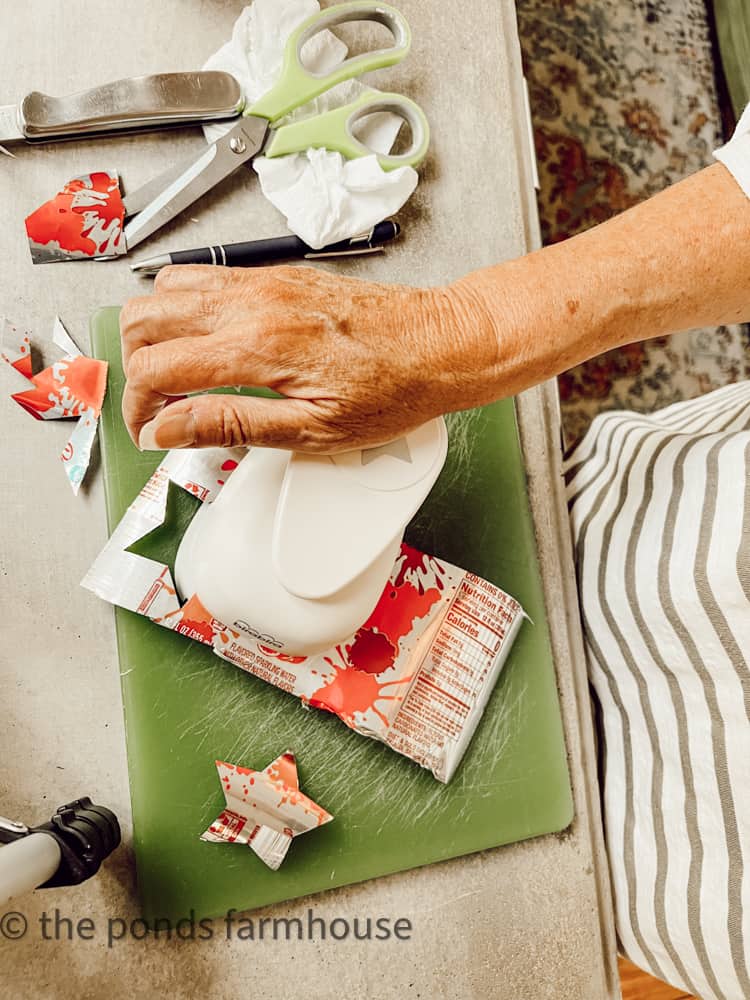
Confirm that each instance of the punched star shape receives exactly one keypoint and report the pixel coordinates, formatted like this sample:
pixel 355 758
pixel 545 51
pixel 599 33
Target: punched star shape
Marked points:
pixel 396 449
pixel 265 809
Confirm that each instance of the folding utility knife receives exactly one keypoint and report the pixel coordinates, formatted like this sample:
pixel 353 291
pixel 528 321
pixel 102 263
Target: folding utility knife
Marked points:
pixel 140 102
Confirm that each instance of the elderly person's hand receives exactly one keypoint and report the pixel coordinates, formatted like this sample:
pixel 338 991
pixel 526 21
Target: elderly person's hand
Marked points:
pixel 359 363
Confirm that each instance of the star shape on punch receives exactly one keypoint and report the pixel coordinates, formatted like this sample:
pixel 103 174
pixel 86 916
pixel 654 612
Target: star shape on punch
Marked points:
pixel 396 449
pixel 264 809
pixel 161 543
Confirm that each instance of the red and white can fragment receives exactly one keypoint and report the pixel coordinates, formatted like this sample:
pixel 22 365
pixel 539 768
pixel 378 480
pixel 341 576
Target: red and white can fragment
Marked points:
pixel 83 220
pixel 416 675
pixel 72 387
pixel 264 809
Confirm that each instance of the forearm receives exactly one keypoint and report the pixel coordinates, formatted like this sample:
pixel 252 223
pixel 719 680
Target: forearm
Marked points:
pixel 679 260
pixel 359 363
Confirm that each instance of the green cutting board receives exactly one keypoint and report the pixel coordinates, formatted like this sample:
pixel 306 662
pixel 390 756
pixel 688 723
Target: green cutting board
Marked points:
pixel 186 708
pixel 732 19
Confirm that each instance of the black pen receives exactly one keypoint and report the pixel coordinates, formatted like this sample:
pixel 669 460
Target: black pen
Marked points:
pixel 264 251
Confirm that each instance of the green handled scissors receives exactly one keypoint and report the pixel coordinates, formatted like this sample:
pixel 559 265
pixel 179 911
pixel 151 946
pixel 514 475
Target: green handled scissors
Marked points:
pixel 257 132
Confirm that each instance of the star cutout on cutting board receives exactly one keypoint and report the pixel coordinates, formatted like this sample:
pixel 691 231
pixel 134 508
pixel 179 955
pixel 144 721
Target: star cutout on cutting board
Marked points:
pixel 264 809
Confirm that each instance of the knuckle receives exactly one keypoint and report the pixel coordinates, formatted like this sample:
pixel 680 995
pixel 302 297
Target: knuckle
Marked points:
pixel 285 272
pixel 320 436
pixel 210 305
pixel 310 438
pixel 141 368
pixel 274 283
pixel 165 278
pixel 234 426
pixel 221 422
pixel 133 312
pixel 261 332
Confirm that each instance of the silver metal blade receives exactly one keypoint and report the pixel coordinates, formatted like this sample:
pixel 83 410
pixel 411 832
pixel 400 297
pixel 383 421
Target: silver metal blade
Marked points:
pixel 137 200
pixel 10 124
pixel 219 160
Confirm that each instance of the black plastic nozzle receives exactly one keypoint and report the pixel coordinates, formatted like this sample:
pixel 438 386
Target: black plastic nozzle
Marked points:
pixel 86 834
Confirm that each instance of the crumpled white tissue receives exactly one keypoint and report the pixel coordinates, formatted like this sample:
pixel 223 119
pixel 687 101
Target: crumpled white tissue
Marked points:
pixel 324 197
pixel 255 52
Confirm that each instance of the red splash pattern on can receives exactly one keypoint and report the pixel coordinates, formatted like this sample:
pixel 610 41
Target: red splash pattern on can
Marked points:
pixel 196 622
pixel 357 684
pixel 69 388
pixel 15 348
pixel 229 466
pixel 83 220
pixel 376 644
pixel 371 651
pixel 264 809
pixel 351 692
pixel 72 387
pixel 418 568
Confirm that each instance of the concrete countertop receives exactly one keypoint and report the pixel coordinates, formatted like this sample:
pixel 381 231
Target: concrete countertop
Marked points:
pixel 528 921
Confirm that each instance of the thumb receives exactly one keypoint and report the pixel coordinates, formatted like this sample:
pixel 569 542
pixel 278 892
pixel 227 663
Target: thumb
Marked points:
pixel 214 421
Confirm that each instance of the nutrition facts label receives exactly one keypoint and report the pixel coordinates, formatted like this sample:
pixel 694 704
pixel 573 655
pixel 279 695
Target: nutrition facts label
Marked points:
pixel 456 675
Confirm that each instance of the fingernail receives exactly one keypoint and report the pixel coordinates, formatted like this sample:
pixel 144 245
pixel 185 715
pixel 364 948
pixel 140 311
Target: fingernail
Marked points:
pixel 168 430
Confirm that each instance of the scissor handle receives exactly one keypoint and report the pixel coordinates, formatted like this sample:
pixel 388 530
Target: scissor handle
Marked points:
pixel 334 130
pixel 297 85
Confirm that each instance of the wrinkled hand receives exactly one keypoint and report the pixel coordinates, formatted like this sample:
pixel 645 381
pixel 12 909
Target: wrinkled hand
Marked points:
pixel 357 363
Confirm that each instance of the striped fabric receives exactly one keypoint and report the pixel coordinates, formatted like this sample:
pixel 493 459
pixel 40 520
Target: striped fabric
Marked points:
pixel 660 513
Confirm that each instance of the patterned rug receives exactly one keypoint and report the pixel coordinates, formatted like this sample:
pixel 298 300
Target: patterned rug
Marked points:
pixel 624 102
